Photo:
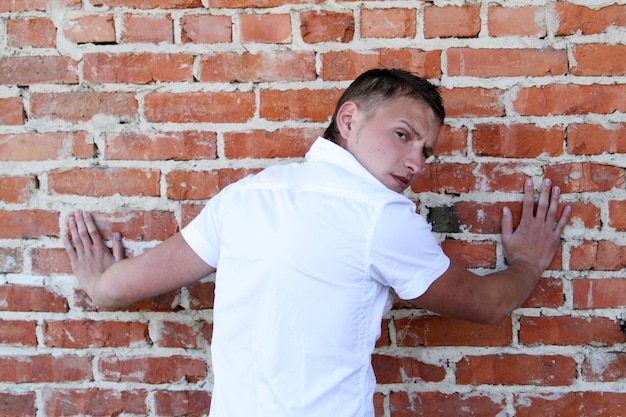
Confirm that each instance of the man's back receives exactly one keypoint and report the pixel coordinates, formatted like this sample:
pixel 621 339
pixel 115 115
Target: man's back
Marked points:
pixel 297 311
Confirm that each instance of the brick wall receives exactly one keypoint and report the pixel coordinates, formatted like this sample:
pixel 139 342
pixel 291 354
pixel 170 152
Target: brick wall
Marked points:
pixel 141 110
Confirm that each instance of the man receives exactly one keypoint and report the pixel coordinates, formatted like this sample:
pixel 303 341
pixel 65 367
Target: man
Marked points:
pixel 306 255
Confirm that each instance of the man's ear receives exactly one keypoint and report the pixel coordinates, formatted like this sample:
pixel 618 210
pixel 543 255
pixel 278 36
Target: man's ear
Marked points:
pixel 346 116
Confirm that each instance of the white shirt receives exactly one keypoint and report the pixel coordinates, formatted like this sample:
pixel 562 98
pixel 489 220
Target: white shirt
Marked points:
pixel 306 254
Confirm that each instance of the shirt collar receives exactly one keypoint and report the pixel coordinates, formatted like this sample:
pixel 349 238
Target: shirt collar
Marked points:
pixel 324 150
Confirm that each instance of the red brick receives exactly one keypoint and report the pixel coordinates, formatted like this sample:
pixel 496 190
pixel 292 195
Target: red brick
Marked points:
pixel 570 331
pixel 257 144
pixel 599 60
pixel 217 107
pixel 18 333
pixel 379 404
pixel 547 293
pixel 589 139
pixel 40 146
pixel 94 402
pixel 471 254
pixel 573 18
pixel 599 293
pixel 452 141
pixel 451 21
pixel 187 335
pixel 149 225
pixel 45 368
pixel 247 67
pixel 201 295
pixel 28 70
pixel 182 403
pixel 206 29
pixel 259 4
pixel 506 62
pixel 35 33
pixel 81 334
pixel 600 255
pixel 473 102
pixel 388 23
pixel 517 141
pixel 588 404
pixel 568 99
pixel 13 404
pixel 150 4
pixel 604 367
pixel 50 261
pixel 178 146
pixel 268 28
pixel 98 182
pixel 84 106
pixel 152 370
pixel 503 177
pixel 515 21
pixel 11 260
pixel 12 111
pixel 347 65
pixel 27 298
pixel 617 214
pixel 439 404
pixel 326 26
pixel 136 68
pixel 28 224
pixel 189 212
pixel 200 185
pixel 585 177
pixel 91 29
pixel 483 218
pixel 168 302
pixel 34 5
pixel 17 189
pixel 298 105
pixel 148 29
pixel 441 331
pixel 546 370
pixel 587 215
pixel 22 5
pixel 446 178
pixel 402 370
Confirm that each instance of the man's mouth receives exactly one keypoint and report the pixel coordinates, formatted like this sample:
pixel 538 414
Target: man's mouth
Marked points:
pixel 404 181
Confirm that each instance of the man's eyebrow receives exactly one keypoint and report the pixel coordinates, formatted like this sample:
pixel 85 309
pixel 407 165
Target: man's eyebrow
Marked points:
pixel 412 129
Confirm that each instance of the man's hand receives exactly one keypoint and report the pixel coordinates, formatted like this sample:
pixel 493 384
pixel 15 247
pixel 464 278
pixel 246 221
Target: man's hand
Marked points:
pixel 538 235
pixel 89 256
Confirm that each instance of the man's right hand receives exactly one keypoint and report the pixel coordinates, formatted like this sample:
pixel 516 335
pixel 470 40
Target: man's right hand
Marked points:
pixel 89 255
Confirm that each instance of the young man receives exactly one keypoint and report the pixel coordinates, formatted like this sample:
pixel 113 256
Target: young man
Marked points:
pixel 306 255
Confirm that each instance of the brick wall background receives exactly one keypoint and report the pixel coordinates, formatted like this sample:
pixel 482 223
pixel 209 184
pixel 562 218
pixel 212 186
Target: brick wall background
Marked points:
pixel 141 110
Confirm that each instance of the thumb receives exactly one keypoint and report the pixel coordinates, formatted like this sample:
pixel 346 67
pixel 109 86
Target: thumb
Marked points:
pixel 118 247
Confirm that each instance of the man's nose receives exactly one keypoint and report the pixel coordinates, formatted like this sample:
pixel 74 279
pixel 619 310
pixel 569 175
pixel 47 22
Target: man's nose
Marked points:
pixel 416 161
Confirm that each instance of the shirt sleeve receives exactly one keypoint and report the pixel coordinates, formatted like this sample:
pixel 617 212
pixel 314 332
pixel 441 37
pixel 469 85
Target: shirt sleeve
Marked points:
pixel 202 234
pixel 405 255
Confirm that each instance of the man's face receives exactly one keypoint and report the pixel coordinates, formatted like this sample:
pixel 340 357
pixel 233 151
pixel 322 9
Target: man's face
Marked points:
pixel 395 142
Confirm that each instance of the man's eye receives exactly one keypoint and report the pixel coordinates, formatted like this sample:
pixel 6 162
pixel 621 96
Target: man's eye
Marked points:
pixel 401 135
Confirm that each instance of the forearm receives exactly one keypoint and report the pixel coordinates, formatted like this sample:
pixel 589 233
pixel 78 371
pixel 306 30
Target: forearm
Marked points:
pixel 108 290
pixel 507 289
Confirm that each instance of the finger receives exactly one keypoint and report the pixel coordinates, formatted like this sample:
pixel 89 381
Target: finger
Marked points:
pixel 83 234
pixel 544 198
pixel 529 200
pixel 567 211
pixel 76 241
pixel 554 205
pixel 69 248
pixel 92 229
pixel 118 247
pixel 506 224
